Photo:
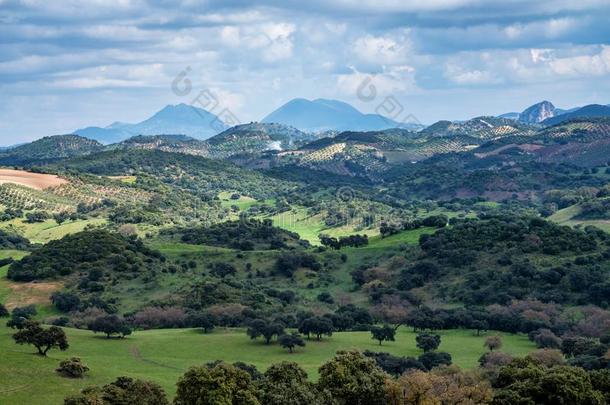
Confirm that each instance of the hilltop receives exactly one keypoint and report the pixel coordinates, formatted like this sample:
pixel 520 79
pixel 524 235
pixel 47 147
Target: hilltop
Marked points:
pixel 49 149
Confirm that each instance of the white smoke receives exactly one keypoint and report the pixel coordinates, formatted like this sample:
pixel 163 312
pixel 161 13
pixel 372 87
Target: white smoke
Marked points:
pixel 274 145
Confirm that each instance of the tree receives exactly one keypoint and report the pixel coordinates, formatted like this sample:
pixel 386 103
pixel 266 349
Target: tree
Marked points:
pixel 395 365
pixel 72 368
pixel 428 342
pixel 445 386
pixel 43 339
pixel 223 270
pixel 65 301
pixel 384 333
pixel 222 384
pixel 352 378
pixel 547 357
pixel 493 342
pixel 600 379
pixel 479 326
pixel 435 359
pixel 286 383
pixel 124 390
pixel 3 311
pixel 202 320
pixel 317 326
pixel 525 382
pixel 291 341
pixel 110 325
pixel 265 328
pixel 545 338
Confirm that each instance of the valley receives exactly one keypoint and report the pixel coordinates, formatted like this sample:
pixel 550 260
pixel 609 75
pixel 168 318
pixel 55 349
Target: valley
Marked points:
pixel 186 252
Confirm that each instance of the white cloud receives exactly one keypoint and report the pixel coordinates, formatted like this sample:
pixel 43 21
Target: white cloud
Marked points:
pixel 382 49
pixel 274 41
pixel 396 79
pixel 583 65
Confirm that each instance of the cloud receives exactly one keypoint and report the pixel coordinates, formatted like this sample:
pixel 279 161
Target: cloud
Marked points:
pixel 382 50
pixel 391 81
pixel 260 54
pixel 272 41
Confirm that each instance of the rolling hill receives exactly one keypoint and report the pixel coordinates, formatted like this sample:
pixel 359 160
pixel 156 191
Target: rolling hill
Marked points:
pixel 165 143
pixel 256 137
pixel 49 149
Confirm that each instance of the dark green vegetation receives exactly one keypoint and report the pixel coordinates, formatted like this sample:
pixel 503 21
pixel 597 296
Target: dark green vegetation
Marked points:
pixel 417 247
pixel 91 254
pixel 245 234
pixel 49 149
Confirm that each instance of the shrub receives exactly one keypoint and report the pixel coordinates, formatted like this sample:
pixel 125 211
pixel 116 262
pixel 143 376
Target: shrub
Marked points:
pixel 72 368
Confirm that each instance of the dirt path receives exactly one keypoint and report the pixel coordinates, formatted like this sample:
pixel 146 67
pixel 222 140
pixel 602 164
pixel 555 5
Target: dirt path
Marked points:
pixel 135 352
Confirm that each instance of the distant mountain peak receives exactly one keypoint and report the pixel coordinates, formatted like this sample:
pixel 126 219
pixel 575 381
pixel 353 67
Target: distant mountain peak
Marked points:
pixel 174 119
pixel 586 112
pixel 538 112
pixel 321 115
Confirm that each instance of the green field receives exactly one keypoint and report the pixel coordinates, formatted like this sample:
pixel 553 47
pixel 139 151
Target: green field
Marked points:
pixel 566 217
pixel 163 355
pixel 43 232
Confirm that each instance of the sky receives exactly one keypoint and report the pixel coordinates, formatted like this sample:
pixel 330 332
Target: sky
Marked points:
pixel 68 64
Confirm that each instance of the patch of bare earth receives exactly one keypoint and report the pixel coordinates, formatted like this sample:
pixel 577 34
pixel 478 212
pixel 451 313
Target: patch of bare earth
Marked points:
pixel 38 181
pixel 31 293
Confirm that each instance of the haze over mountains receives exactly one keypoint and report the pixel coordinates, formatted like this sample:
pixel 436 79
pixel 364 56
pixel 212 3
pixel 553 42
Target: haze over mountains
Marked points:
pixel 301 120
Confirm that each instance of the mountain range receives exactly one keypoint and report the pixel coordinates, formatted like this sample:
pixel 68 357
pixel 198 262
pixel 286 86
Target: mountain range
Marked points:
pixel 545 113
pixel 300 121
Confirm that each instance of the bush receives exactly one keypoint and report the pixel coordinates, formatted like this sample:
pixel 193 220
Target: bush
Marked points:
pixel 124 390
pixel 435 359
pixel 72 368
pixel 544 338
pixel 326 298
pixel 110 325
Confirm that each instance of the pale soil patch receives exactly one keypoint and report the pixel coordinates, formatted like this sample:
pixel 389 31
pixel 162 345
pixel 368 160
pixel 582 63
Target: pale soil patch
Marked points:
pixel 31 293
pixel 36 181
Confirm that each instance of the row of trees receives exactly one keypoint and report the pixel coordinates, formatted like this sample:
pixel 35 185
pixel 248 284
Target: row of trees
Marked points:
pixel 355 378
pixel 343 241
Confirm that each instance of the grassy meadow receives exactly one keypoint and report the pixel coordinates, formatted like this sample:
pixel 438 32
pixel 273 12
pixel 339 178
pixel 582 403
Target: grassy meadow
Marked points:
pixel 164 355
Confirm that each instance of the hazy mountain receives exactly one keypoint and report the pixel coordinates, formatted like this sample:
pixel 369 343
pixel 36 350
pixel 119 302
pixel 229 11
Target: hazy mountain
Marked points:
pixel 50 148
pixel 105 135
pixel 510 115
pixel 589 111
pixel 324 115
pixel 173 119
pixel 538 112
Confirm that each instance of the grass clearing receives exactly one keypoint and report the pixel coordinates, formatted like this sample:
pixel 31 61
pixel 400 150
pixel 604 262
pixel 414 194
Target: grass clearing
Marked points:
pixel 43 232
pixel 566 217
pixel 164 355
